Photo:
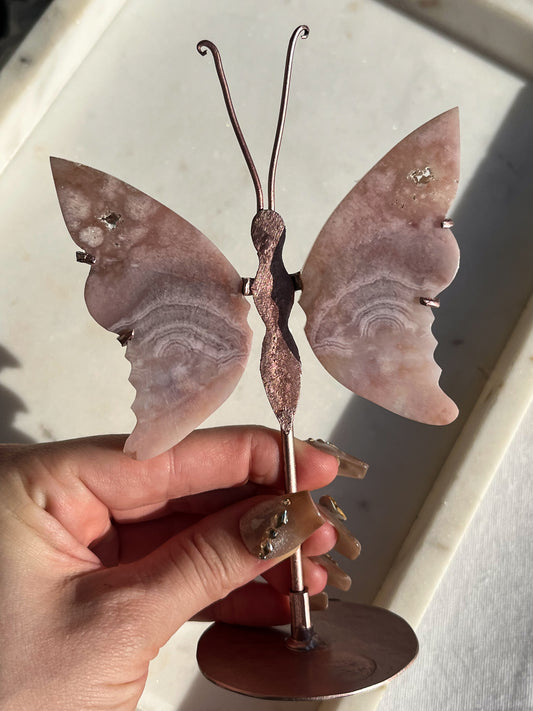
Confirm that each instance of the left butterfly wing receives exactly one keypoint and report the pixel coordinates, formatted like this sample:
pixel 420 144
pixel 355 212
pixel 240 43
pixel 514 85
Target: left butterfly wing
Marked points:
pixel 381 251
pixel 168 293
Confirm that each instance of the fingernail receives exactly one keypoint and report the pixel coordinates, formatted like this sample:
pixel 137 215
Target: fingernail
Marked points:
pixel 320 601
pixel 337 577
pixel 275 527
pixel 347 545
pixel 348 466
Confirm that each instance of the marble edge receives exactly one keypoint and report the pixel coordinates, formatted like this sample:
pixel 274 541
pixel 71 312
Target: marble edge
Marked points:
pixel 462 482
pixel 464 477
pixel 43 64
pixel 501 32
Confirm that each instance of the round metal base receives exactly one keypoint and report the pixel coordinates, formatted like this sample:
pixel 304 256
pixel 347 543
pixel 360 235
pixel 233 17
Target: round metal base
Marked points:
pixel 360 647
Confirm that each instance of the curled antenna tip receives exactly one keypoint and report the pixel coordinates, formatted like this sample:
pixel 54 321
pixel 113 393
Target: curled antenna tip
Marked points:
pixel 204 45
pixel 202 48
pixel 303 32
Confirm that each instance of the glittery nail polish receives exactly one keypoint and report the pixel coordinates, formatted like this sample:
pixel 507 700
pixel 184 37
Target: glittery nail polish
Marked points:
pixel 347 545
pixel 348 466
pixel 275 527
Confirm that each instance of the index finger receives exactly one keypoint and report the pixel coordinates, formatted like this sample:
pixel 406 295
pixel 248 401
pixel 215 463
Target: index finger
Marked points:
pixel 205 460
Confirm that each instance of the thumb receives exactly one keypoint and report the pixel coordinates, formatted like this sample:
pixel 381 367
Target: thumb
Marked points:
pixel 208 560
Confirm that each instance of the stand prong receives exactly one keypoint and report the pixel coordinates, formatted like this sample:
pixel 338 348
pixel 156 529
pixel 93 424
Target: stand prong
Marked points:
pixel 303 637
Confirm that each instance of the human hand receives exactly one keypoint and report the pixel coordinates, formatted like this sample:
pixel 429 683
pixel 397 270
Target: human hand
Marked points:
pixel 103 558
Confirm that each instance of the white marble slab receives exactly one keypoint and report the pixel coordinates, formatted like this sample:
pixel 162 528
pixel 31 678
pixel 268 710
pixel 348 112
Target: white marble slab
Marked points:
pixel 44 62
pixel 475 636
pixel 145 107
pixel 501 29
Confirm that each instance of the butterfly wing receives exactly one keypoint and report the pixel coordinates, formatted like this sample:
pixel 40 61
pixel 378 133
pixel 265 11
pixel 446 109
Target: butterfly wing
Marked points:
pixel 381 250
pixel 168 292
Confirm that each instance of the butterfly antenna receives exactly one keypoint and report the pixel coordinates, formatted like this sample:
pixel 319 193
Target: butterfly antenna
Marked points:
pixel 202 47
pixel 303 32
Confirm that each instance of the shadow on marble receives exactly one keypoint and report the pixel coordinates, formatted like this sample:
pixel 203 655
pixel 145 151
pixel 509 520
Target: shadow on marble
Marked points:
pixel 10 405
pixel 493 225
pixel 505 40
pixel 16 20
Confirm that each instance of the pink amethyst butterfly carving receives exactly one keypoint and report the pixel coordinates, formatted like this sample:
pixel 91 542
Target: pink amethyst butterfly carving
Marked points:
pixel 178 305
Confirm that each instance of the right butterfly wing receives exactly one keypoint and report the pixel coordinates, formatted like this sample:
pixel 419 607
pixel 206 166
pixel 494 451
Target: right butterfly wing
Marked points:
pixel 382 250
pixel 168 293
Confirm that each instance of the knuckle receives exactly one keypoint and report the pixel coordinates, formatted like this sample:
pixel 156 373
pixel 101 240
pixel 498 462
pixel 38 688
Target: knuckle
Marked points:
pixel 211 565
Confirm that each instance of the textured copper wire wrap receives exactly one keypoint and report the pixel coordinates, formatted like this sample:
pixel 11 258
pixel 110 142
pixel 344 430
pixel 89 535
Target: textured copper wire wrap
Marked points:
pixel 273 293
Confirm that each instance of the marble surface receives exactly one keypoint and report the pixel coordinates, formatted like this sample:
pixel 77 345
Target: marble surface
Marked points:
pixel 44 62
pixel 500 29
pixel 16 20
pixel 146 107
pixel 475 637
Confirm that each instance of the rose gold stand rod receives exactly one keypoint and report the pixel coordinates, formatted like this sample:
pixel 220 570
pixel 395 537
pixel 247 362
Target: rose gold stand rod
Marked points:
pixel 302 636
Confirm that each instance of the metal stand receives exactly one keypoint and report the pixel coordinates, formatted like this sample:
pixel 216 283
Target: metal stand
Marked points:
pixel 349 648
pixel 302 636
pixel 358 647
